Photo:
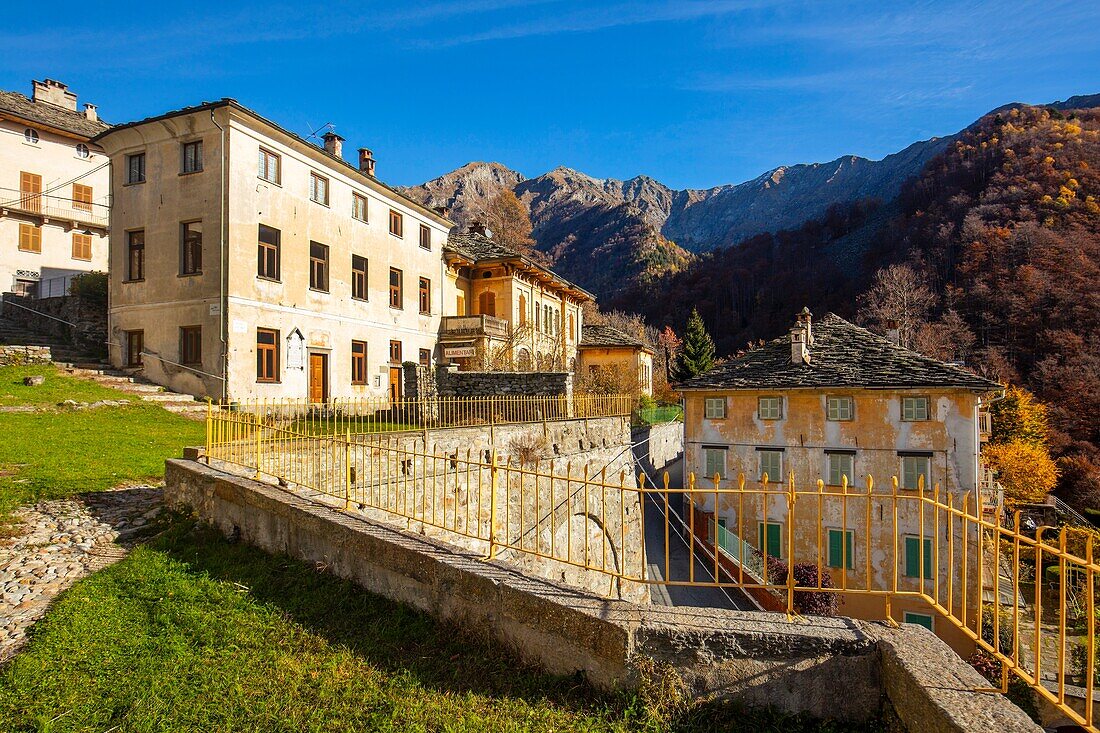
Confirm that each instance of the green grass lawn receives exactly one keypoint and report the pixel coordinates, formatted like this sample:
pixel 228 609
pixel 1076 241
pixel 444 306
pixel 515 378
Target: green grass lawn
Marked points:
pixel 56 453
pixel 58 387
pixel 191 633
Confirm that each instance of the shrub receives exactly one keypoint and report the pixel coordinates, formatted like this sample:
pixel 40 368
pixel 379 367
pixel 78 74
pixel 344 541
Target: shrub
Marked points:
pixel 90 286
pixel 806 575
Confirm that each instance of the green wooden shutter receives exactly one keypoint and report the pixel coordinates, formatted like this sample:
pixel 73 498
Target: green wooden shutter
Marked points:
pixel 912 557
pixel 770 539
pixel 837 555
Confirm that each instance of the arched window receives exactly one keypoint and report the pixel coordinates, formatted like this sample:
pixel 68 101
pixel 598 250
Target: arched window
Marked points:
pixel 31 136
pixel 487 303
pixel 523 360
pixel 82 151
pixel 523 311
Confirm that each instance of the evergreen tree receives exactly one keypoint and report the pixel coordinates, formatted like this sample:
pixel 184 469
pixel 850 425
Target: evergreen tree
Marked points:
pixel 697 354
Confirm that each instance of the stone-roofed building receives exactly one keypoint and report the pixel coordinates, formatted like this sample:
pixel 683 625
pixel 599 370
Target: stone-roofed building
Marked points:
pixel 629 360
pixel 835 402
pixel 510 312
pixel 54 190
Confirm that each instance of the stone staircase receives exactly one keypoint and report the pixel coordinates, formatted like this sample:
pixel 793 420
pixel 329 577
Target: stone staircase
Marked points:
pixel 78 363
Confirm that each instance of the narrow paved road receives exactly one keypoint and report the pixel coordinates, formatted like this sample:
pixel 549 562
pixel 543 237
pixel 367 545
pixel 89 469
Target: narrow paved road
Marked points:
pixel 678 558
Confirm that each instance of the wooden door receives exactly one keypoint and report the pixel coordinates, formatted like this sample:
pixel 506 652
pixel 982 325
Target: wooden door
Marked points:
pixel 318 377
pixel 396 374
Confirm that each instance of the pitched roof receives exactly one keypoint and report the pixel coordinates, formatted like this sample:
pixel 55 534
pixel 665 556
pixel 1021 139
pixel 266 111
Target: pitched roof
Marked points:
pixel 842 355
pixel 50 115
pixel 478 248
pixel 337 160
pixel 609 337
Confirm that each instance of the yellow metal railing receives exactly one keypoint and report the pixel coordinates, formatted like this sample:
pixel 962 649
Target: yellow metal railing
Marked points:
pixel 888 550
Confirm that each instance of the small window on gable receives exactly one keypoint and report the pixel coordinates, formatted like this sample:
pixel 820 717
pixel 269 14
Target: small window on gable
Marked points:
pixel 82 151
pixel 714 408
pixel 31 136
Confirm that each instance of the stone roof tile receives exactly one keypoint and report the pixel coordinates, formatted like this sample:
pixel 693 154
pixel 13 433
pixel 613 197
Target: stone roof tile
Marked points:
pixel 51 115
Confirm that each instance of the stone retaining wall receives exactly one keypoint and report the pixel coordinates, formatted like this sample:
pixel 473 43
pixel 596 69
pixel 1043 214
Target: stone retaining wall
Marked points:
pixel 19 355
pixel 88 315
pixel 827 667
pixel 452 383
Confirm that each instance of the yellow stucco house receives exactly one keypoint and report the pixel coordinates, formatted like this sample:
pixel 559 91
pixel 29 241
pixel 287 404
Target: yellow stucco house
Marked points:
pixel 509 312
pixel 835 402
pixel 607 349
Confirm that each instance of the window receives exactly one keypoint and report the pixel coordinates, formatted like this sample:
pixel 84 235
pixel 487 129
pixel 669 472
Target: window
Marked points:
pixel 31 136
pixel 271 166
pixel 191 157
pixel 770 538
pixel 771 464
pixel 267 355
pixel 839 466
pixel 318 188
pixel 359 206
pixel 191 248
pixel 30 238
pixel 838 408
pixel 82 197
pixel 318 266
pixel 714 408
pixel 135 255
pixel 912 468
pixel 913 557
pixel 191 345
pixel 395 287
pixel 714 462
pixel 135 345
pixel 920 619
pixel 460 305
pixel 840 549
pixel 522 309
pixel 425 357
pixel 425 236
pixel 82 151
pixel 395 352
pixel 425 296
pixel 358 362
pixel 82 246
pixel 914 408
pixel 359 277
pixel 572 328
pixel 770 408
pixel 267 253
pixel 397 224
pixel 30 191
pixel 135 168
pixel 487 303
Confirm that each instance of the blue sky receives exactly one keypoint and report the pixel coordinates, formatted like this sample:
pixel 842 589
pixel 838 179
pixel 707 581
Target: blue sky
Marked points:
pixel 694 94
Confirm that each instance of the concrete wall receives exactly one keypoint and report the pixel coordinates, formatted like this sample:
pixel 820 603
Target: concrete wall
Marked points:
pixel 55 159
pixel 830 668
pixel 658 448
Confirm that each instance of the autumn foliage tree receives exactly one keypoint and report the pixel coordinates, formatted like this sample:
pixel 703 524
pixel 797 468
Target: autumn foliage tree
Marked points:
pixel 507 218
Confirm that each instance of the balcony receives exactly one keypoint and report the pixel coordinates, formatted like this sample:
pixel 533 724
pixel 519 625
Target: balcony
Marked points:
pixel 49 208
pixel 456 327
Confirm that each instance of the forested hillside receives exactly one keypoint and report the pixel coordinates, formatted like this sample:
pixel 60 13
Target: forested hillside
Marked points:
pixel 998 243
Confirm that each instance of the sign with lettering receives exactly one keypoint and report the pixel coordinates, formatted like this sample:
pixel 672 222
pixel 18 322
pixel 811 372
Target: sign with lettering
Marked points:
pixel 294 350
pixel 459 352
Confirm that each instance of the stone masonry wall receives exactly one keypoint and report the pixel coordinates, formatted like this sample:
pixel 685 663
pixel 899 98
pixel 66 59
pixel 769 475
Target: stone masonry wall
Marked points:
pixel 19 355
pixel 88 315
pixel 496 384
pixel 834 668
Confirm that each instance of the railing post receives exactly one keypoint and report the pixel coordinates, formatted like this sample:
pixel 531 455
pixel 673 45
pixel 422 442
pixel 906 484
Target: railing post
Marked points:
pixel 347 470
pixel 209 429
pixel 790 546
pixel 492 506
pixel 256 430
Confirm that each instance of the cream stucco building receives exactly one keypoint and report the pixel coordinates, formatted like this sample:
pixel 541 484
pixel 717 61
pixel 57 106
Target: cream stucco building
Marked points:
pixel 54 190
pixel 836 403
pixel 628 361
pixel 247 262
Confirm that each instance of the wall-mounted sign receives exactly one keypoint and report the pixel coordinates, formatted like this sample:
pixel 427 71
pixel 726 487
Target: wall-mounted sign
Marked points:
pixel 459 352
pixel 295 350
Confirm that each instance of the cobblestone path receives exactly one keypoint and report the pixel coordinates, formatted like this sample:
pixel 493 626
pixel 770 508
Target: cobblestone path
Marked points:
pixel 57 543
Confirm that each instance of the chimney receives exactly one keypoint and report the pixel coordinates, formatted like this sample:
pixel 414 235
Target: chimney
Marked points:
pixel 477 226
pixel 334 144
pixel 90 112
pixel 804 320
pixel 54 92
pixel 893 333
pixel 366 162
pixel 441 210
pixel 800 354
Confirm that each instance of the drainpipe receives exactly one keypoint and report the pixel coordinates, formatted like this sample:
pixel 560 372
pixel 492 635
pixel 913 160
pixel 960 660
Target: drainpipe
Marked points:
pixel 223 276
